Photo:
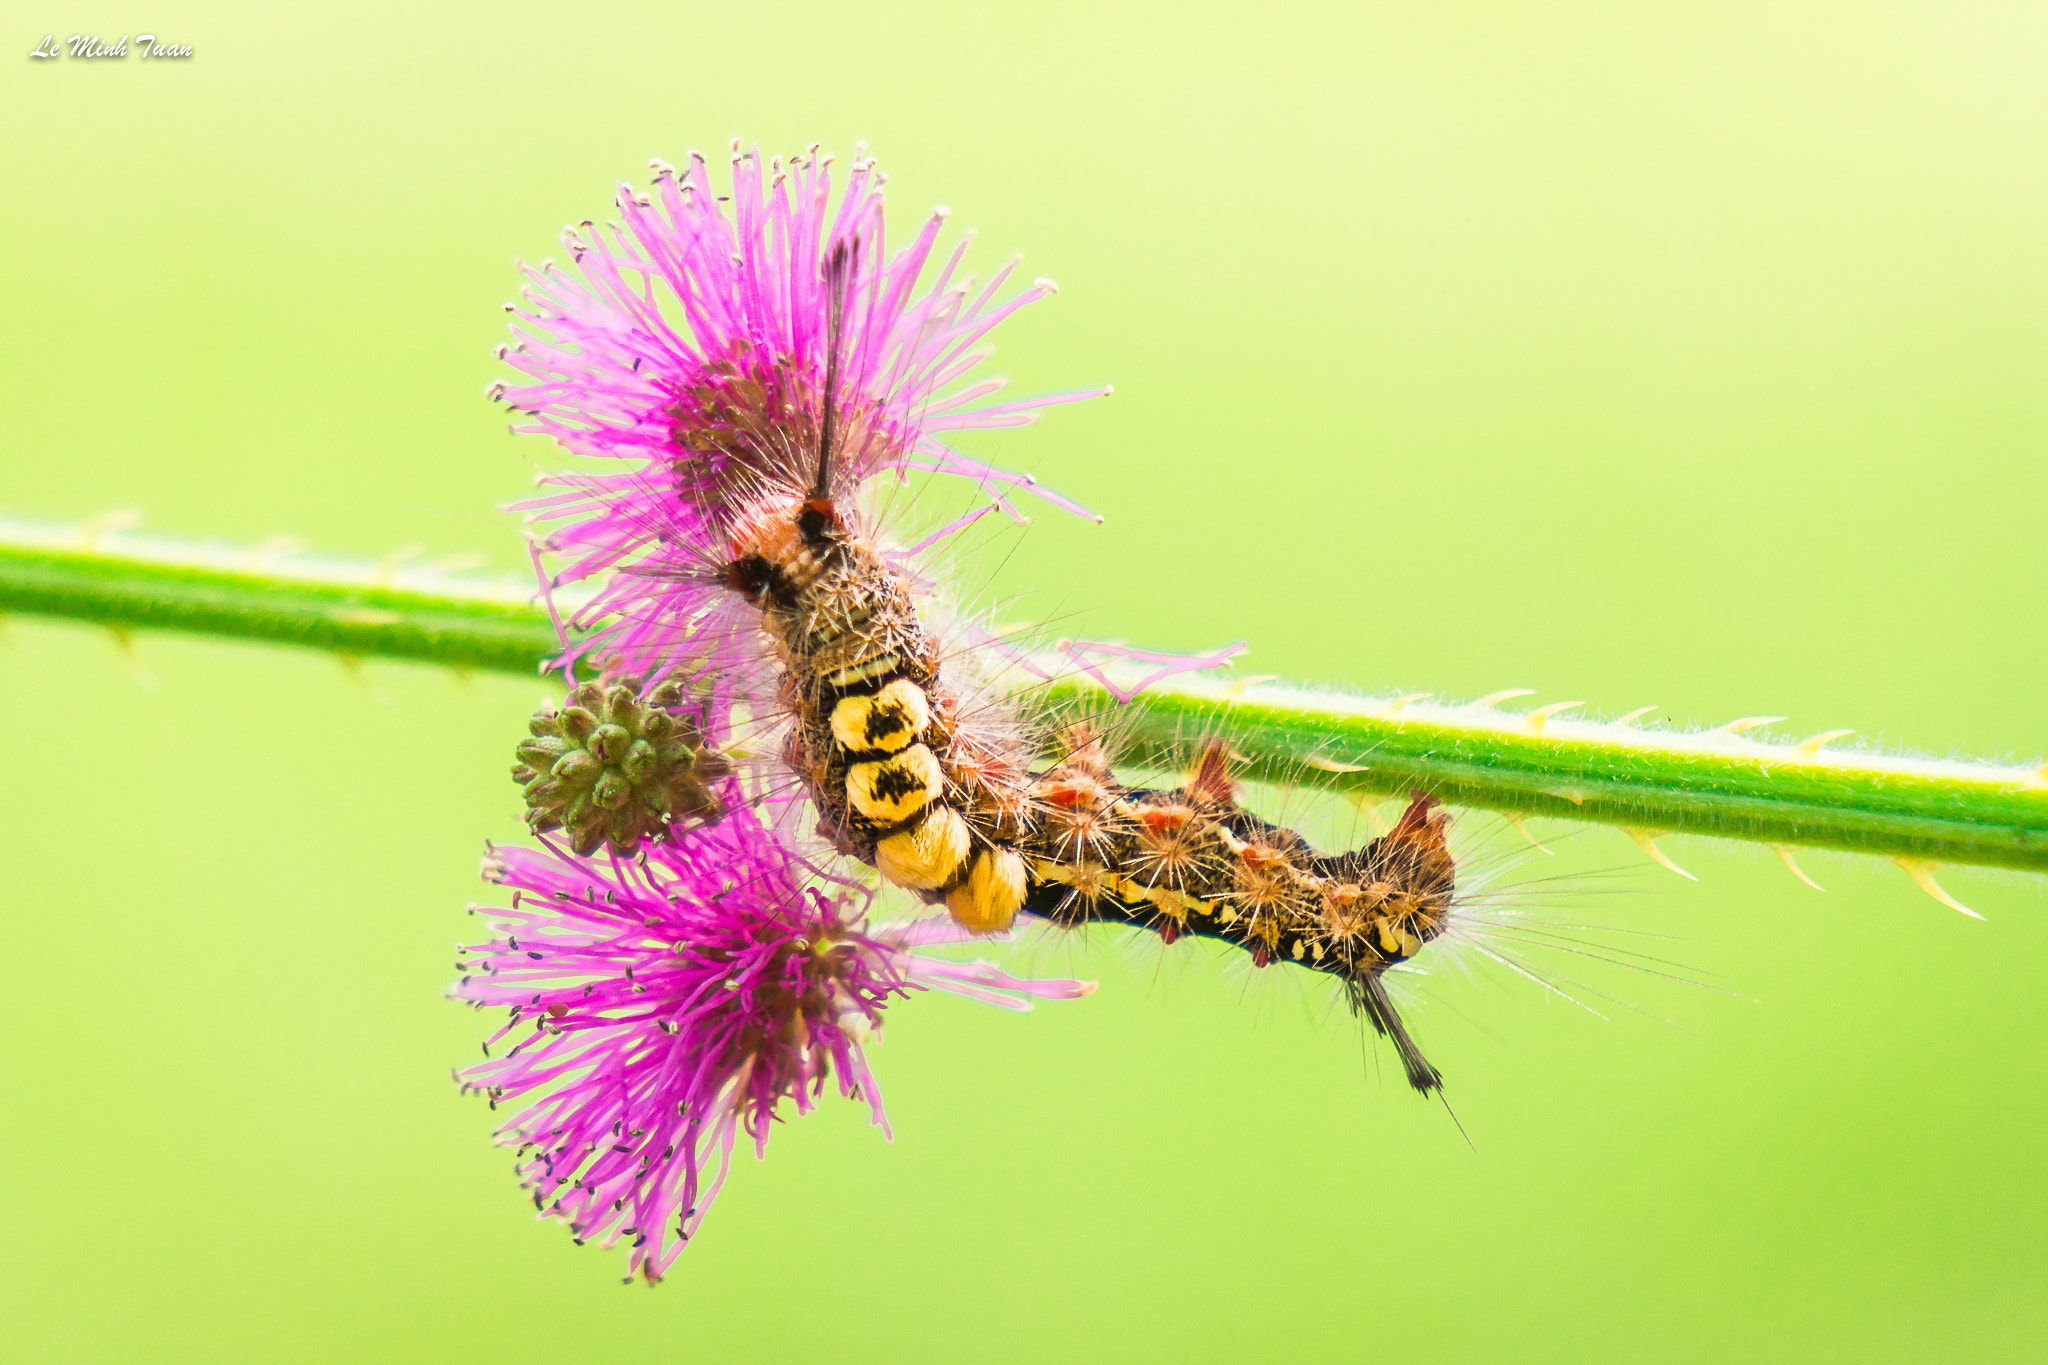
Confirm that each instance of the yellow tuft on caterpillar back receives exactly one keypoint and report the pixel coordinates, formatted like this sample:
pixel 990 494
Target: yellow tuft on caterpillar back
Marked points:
pixel 993 893
pixel 928 856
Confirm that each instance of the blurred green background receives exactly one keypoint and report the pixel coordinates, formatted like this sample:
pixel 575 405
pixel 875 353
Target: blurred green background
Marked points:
pixel 1634 352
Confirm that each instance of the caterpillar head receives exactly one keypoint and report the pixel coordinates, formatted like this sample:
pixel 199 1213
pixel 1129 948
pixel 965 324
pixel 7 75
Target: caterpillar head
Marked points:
pixel 781 544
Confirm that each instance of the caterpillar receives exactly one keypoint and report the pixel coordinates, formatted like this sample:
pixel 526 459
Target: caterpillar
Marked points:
pixel 737 552
pixel 685 963
pixel 955 812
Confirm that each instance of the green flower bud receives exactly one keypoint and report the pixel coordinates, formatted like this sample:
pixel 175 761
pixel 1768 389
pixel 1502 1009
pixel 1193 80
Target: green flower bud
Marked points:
pixel 610 743
pixel 614 767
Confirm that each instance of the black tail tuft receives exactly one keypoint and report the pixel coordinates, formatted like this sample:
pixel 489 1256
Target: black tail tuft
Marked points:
pixel 1369 999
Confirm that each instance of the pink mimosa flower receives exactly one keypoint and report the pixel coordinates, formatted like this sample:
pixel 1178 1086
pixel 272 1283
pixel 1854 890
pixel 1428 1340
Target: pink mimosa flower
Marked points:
pixel 665 1005
pixel 687 348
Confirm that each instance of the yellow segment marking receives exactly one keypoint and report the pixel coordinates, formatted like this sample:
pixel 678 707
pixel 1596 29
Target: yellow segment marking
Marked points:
pixel 1175 904
pixel 892 790
pixel 888 720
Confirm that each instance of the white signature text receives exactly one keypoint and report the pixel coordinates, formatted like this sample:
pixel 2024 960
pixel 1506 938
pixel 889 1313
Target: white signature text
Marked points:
pixel 90 46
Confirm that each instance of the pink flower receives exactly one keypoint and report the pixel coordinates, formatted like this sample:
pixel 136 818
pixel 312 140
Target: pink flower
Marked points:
pixel 668 1003
pixel 688 348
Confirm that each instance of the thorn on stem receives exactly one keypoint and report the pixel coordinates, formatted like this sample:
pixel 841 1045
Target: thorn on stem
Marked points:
pixel 100 524
pixel 1505 694
pixel 1736 727
pixel 1236 690
pixel 1521 827
pixel 1784 852
pixel 389 565
pixel 1922 873
pixel 1647 839
pixel 1810 749
pixel 1542 714
pixel 124 646
pixel 1400 703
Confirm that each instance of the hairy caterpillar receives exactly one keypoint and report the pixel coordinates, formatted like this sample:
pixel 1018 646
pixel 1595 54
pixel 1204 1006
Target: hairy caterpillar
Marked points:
pixel 735 551
pixel 686 964
pixel 953 810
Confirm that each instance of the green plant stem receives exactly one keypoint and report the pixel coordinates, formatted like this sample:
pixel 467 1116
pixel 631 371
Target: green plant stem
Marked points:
pixel 1723 783
pixel 1649 781
pixel 359 619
